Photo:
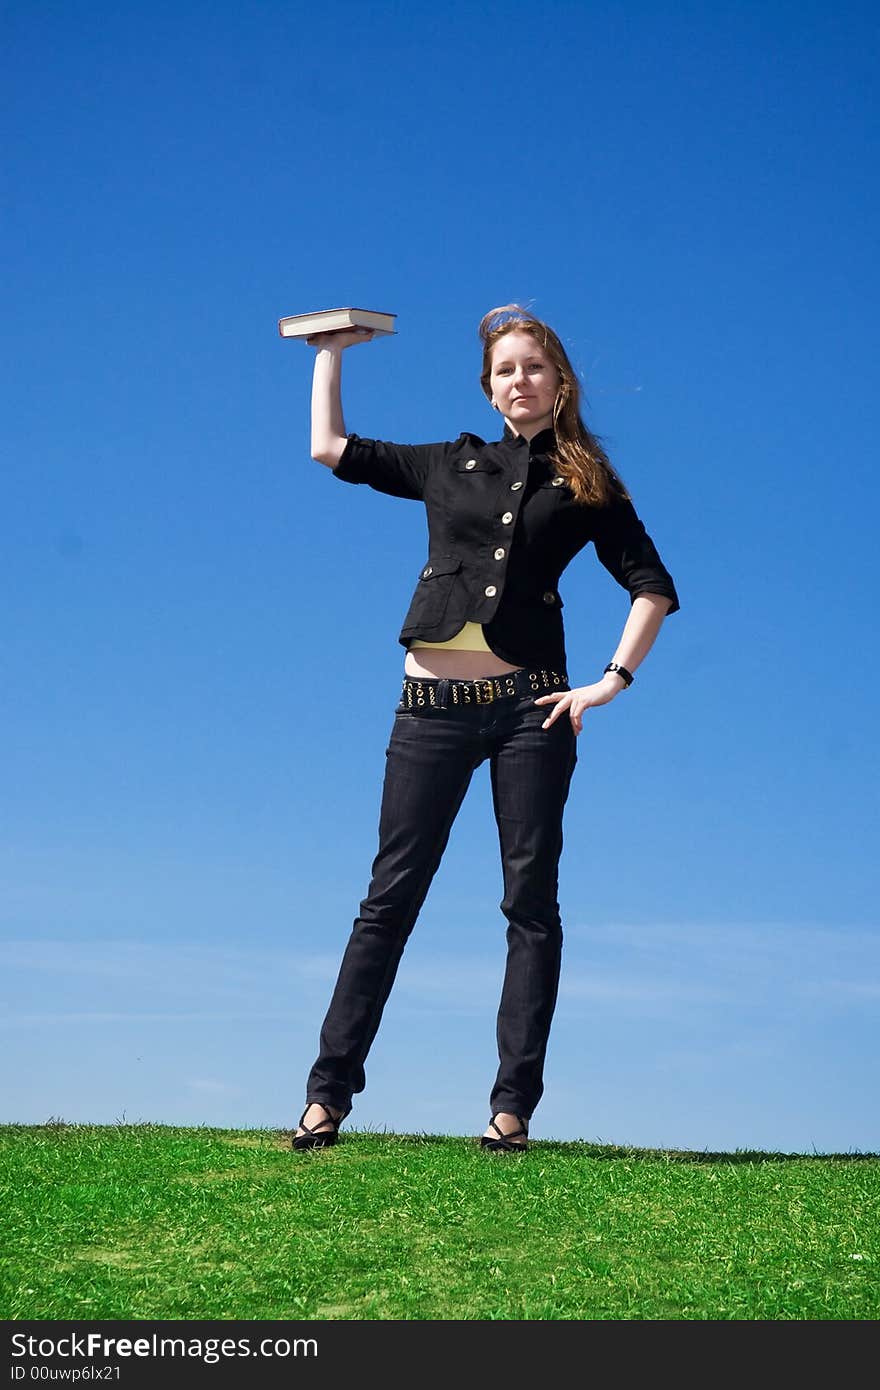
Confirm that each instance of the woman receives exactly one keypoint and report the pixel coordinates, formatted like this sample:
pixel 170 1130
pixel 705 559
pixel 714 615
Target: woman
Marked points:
pixel 484 678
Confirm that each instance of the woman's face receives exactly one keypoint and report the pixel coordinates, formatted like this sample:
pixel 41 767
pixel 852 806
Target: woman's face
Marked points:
pixel 524 383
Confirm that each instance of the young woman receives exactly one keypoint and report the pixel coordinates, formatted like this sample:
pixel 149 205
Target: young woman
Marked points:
pixel 485 678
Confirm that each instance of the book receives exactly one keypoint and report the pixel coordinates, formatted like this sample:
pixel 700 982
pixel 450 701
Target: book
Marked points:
pixel 330 320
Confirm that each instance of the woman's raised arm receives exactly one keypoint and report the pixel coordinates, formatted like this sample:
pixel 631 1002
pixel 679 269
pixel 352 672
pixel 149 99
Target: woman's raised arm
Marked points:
pixel 328 426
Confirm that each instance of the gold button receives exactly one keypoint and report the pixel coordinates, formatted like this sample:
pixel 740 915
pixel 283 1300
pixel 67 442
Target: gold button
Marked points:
pixel 515 487
pixel 557 482
pixel 471 463
pixel 549 597
pixel 507 518
pixel 490 591
pixel 499 553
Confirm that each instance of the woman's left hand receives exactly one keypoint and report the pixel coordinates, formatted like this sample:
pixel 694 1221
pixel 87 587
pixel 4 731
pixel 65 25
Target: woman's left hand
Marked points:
pixel 581 698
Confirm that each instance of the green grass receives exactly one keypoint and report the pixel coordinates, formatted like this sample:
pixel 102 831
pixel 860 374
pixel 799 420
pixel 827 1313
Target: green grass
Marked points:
pixel 151 1222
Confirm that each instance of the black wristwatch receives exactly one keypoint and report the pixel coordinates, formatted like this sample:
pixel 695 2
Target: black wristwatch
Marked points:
pixel 625 675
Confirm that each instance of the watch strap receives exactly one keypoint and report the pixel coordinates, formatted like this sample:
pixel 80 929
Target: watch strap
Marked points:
pixel 625 675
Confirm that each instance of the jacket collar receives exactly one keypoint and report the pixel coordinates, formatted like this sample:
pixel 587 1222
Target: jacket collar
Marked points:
pixel 541 443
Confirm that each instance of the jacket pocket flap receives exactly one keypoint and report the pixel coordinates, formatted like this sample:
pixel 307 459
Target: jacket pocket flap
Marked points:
pixel 446 564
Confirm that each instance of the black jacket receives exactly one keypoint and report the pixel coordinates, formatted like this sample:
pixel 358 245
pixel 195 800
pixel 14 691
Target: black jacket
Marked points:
pixel 502 527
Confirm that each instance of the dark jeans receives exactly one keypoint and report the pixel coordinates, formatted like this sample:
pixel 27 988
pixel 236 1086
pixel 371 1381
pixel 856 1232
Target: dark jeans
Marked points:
pixel 430 758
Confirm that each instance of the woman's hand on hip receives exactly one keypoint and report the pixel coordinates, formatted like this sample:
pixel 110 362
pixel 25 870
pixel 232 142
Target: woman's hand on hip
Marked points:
pixel 583 697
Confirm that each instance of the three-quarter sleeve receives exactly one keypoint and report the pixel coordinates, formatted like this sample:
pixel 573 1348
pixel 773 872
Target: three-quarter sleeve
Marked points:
pixel 401 470
pixel 628 553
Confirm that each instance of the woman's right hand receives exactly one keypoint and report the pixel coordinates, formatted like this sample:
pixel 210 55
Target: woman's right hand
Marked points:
pixel 340 338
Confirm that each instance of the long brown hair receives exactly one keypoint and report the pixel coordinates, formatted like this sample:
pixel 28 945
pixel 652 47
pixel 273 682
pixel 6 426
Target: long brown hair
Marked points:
pixel 578 456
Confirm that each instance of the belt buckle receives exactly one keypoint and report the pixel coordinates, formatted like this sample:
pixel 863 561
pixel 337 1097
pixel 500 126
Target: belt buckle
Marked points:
pixel 488 688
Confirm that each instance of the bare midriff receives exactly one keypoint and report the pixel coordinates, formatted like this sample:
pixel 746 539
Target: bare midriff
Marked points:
pixel 454 661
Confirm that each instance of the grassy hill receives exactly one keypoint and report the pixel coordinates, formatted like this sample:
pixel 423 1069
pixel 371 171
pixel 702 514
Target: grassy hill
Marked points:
pixel 153 1222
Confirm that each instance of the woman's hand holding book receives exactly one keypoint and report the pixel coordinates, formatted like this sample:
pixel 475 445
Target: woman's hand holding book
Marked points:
pixel 340 338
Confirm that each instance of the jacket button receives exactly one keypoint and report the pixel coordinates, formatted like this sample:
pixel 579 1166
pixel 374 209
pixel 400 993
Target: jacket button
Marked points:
pixel 549 597
pixel 507 518
pixel 429 570
pixel 499 553
pixel 515 487
pixel 471 463
pixel 557 482
pixel 490 591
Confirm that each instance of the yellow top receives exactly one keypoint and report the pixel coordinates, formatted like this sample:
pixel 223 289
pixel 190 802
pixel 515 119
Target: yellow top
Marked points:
pixel 468 639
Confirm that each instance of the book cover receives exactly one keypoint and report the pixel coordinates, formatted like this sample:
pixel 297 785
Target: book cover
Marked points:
pixel 331 320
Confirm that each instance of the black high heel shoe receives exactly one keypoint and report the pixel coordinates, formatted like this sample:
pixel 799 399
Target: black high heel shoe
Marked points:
pixel 504 1143
pixel 319 1137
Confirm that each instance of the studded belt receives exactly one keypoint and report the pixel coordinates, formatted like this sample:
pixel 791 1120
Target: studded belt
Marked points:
pixel 441 693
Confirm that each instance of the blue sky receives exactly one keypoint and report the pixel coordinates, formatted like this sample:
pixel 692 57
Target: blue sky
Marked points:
pixel 198 655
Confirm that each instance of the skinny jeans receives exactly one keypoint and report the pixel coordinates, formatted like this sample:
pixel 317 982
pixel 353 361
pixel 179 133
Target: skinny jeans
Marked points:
pixel 430 759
